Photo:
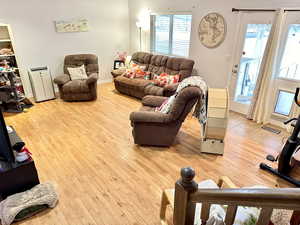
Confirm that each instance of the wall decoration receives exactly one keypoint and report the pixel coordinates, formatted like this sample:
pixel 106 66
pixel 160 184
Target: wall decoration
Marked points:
pixel 212 30
pixel 75 25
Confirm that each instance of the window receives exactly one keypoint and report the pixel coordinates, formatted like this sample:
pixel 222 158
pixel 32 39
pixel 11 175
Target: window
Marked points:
pixel 290 62
pixel 284 102
pixel 170 34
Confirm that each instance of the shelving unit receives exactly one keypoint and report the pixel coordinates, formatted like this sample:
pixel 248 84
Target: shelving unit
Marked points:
pixel 6 41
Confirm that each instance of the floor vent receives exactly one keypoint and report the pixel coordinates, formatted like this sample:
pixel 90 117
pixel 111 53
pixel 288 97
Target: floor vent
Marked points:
pixel 271 129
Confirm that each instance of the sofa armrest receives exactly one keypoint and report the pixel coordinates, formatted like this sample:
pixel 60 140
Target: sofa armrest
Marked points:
pixel 62 79
pixel 92 78
pixel 170 89
pixel 153 101
pixel 118 72
pixel 149 117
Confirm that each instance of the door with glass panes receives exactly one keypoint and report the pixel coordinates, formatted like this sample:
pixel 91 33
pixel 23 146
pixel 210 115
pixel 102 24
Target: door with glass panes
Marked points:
pixel 252 36
pixel 287 73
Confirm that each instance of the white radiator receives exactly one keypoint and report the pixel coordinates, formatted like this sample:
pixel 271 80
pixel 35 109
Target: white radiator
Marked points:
pixel 41 83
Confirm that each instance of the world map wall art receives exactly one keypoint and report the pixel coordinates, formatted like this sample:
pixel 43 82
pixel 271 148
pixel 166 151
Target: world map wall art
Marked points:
pixel 212 30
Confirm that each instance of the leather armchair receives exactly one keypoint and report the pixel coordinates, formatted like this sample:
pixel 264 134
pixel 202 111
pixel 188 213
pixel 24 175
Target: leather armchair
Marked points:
pixel 160 129
pixel 79 90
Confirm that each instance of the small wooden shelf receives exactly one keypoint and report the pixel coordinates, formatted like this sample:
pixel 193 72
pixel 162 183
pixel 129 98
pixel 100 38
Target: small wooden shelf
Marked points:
pixel 7 55
pixel 7 41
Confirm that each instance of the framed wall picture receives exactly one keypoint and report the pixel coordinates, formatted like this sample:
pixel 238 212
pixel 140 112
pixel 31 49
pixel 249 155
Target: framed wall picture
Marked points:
pixel 212 30
pixel 75 25
pixel 118 64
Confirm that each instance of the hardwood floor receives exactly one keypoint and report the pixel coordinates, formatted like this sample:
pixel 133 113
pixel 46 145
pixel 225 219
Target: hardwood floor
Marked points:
pixel 87 150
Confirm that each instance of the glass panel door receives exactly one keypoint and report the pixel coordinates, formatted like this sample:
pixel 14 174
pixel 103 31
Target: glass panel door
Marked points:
pixel 251 44
pixel 287 74
pixel 254 46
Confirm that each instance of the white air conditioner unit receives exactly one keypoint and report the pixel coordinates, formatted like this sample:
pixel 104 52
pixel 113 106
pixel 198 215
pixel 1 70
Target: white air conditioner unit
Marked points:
pixel 41 83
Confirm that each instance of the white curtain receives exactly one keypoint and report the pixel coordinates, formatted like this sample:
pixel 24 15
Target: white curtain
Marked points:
pixel 259 110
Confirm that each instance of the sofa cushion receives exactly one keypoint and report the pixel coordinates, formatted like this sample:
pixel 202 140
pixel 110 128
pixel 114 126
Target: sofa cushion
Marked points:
pixel 158 64
pixel 180 66
pixel 90 62
pixel 76 86
pixel 152 89
pixel 142 59
pixel 135 84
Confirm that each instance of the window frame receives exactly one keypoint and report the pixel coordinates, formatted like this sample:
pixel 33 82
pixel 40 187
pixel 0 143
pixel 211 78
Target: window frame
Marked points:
pixel 276 100
pixel 171 27
pixel 281 52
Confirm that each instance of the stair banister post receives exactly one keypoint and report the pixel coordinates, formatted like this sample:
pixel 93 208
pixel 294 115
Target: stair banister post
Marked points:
pixel 184 211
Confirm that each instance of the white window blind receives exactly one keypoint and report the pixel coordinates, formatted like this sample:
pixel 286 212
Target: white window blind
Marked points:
pixel 170 34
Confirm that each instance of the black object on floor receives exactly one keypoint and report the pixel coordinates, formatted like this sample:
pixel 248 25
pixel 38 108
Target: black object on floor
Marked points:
pixel 273 130
pixel 27 103
pixel 289 179
pixel 18 177
pixel 272 158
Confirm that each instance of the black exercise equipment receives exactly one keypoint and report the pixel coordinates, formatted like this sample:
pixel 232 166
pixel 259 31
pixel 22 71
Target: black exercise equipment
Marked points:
pixel 291 147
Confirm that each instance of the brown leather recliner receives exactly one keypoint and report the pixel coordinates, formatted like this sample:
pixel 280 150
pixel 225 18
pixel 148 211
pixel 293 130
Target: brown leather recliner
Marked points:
pixel 79 90
pixel 159 129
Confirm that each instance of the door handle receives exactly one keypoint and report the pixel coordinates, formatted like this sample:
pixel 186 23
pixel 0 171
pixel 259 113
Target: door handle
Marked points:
pixel 234 71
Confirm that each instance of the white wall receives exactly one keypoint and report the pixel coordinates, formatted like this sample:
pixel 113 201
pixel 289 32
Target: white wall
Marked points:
pixel 212 64
pixel 38 44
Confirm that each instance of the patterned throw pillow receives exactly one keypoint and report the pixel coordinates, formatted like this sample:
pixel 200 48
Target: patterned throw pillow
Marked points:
pixel 135 71
pixel 164 79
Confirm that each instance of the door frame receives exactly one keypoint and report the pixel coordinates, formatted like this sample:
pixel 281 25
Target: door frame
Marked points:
pixel 244 18
pixel 281 83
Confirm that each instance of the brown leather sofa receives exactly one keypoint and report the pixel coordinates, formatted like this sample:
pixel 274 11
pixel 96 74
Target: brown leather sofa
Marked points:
pixel 159 129
pixel 79 90
pixel 156 64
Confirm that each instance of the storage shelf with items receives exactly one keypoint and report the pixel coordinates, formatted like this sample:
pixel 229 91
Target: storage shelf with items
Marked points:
pixel 8 60
pixel 217 117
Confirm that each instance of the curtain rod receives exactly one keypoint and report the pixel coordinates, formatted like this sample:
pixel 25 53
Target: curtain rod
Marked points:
pixel 263 10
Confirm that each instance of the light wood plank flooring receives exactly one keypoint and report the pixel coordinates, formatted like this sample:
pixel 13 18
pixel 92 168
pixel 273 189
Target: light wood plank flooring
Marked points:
pixel 87 150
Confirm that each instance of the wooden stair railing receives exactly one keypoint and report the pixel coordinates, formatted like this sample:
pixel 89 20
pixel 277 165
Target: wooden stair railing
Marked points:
pixel 187 195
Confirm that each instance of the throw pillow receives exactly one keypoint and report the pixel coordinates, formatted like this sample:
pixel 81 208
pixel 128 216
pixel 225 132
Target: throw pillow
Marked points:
pixel 135 71
pixel 77 73
pixel 147 76
pixel 165 79
pixel 133 65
